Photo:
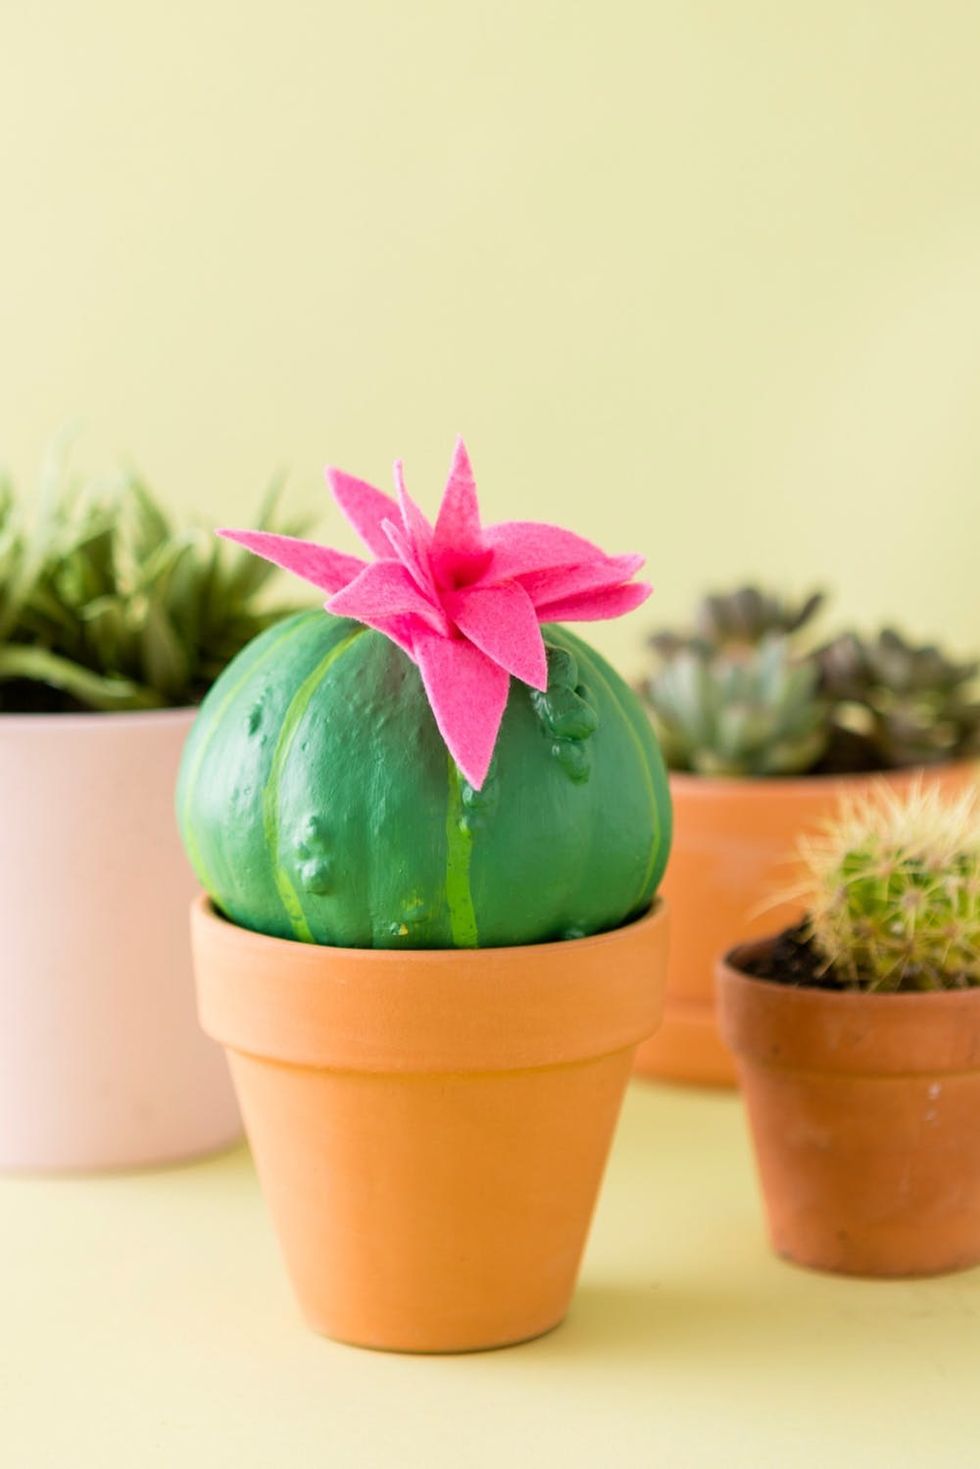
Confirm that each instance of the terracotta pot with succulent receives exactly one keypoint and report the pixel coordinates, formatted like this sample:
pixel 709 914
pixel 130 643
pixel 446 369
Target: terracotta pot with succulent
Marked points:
pixel 857 1035
pixel 764 730
pixel 431 834
pixel 112 625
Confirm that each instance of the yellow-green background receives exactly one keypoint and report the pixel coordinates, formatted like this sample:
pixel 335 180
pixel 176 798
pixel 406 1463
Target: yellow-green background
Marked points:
pixel 701 279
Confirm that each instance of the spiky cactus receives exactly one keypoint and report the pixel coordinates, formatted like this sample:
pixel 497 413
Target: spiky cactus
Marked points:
pixel 759 714
pixel 892 889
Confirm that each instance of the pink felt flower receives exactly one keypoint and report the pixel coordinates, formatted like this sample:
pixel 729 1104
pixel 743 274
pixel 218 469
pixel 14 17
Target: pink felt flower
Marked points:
pixel 462 599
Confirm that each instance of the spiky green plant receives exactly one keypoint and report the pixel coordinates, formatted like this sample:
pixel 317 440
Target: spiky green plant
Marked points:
pixel 907 704
pixel 758 714
pixel 106 604
pixel 892 889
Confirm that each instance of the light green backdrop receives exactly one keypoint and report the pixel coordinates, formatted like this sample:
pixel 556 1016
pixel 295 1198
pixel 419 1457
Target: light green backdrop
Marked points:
pixel 701 279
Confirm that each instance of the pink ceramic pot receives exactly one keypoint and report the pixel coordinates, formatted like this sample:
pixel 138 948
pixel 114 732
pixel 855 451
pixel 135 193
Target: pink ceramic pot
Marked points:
pixel 102 1063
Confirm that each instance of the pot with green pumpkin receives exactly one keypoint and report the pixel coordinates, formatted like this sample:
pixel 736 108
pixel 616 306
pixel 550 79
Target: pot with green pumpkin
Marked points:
pixel 431 833
pixel 765 729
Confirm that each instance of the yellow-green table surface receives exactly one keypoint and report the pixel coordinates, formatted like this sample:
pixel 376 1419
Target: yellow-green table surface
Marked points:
pixel 145 1320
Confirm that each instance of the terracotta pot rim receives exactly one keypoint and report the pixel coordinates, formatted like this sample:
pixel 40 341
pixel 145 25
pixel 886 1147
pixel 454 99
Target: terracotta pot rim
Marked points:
pixel 754 787
pixel 203 904
pixel 73 719
pixel 802 1027
pixel 429 1010
pixel 732 960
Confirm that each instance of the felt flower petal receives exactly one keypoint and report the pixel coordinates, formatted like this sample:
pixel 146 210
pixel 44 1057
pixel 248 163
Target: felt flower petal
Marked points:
pixel 386 589
pixel 417 530
pixel 416 565
pixel 502 623
pixel 569 581
pixel 596 606
pixel 463 601
pixel 467 692
pixel 364 507
pixel 459 553
pixel 402 631
pixel 520 546
pixel 329 570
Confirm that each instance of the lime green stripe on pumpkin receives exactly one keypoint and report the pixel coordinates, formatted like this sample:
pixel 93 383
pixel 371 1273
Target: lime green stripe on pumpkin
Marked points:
pixel 298 706
pixel 274 647
pixel 459 851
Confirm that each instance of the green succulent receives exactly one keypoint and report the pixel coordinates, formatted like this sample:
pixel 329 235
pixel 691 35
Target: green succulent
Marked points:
pixel 892 890
pixel 865 704
pixel 106 604
pixel 896 703
pixel 758 714
pixel 739 620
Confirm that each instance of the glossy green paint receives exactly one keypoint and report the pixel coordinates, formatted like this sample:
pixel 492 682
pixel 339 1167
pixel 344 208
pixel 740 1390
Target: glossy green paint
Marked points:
pixel 317 800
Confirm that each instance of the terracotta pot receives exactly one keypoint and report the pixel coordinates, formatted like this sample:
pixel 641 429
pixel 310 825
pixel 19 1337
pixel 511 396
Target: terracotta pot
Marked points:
pixel 102 1063
pixel 733 847
pixel 430 1127
pixel 865 1114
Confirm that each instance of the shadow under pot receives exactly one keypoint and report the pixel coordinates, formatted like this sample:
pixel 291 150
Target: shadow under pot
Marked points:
pixel 430 1127
pixel 864 1111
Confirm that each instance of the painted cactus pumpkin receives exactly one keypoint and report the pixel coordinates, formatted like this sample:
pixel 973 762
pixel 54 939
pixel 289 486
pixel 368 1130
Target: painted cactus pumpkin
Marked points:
pixel 432 763
pixel 318 801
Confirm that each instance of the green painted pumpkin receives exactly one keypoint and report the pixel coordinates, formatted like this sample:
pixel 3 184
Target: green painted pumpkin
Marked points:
pixel 317 800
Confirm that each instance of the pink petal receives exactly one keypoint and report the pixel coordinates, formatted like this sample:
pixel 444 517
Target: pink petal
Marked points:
pixel 468 694
pixel 417 530
pixel 569 581
pixel 385 589
pixel 501 621
pixel 521 546
pixel 364 506
pixel 408 556
pixel 459 553
pixel 401 631
pixel 327 569
pixel 596 606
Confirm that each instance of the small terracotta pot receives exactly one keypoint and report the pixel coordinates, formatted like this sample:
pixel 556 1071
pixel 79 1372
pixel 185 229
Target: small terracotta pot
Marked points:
pixel 733 847
pixel 102 1061
pixel 430 1127
pixel 865 1114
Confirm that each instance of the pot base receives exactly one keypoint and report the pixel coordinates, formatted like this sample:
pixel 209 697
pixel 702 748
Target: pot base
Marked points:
pixel 456 1348
pixel 819 1267
pixel 99 1164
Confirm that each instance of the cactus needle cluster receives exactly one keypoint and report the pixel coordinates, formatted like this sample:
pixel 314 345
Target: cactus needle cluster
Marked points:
pixel 892 890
